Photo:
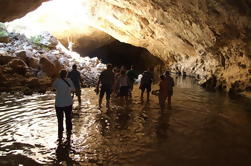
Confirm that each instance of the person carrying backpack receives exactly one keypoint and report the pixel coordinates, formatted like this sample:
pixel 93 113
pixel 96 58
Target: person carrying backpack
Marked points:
pixel 63 102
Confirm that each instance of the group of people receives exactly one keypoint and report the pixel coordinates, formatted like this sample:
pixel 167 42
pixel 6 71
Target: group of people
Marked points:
pixel 112 80
pixel 119 81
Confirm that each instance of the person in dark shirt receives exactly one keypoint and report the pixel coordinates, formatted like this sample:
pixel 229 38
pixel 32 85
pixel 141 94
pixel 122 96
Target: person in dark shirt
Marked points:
pixel 75 76
pixel 106 79
pixel 146 83
pixel 132 75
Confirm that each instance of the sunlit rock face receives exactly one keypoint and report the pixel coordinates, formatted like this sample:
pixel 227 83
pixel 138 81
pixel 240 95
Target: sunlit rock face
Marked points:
pixel 204 38
pixel 209 39
pixel 66 20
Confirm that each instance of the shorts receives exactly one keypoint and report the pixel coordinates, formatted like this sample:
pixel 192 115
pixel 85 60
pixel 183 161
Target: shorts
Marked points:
pixel 123 91
pixel 148 87
pixel 105 89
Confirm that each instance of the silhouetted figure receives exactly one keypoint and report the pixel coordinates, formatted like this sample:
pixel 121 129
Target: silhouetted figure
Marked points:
pixel 106 79
pixel 132 75
pixel 146 83
pixel 75 76
pixel 123 86
pixel 170 85
pixel 163 91
pixel 63 102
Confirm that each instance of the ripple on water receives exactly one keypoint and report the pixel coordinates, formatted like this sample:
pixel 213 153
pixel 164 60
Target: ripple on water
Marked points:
pixel 201 126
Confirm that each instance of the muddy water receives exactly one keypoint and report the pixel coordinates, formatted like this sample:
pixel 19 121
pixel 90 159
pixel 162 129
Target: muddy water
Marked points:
pixel 203 128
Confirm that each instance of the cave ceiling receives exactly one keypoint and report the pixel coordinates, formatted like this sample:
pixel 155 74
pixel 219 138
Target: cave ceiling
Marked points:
pixel 197 36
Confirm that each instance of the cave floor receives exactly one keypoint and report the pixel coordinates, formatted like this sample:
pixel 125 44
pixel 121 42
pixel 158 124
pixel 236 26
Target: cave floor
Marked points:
pixel 203 128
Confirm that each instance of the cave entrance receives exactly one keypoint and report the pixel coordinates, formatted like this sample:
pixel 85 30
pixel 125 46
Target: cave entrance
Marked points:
pixel 122 54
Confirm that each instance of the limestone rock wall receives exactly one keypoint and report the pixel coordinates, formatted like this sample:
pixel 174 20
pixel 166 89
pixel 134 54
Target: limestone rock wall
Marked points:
pixel 209 39
pixel 204 38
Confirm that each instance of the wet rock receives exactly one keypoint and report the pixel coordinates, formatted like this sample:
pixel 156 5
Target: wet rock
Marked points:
pixel 48 40
pixel 18 66
pixel 4 39
pixel 48 67
pixel 210 83
pixel 25 64
pixel 2 78
pixel 237 87
pixel 4 57
pixel 32 82
pixel 28 58
pixel 27 91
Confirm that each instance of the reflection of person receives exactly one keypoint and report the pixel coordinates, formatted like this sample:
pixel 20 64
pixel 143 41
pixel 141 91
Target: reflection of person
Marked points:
pixel 123 86
pixel 63 151
pixel 115 88
pixel 63 102
pixel 162 127
pixel 163 91
pixel 170 85
pixel 106 80
pixel 75 76
pixel 146 83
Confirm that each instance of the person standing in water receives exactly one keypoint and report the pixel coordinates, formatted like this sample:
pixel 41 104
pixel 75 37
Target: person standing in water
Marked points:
pixel 106 79
pixel 170 85
pixel 75 77
pixel 132 75
pixel 146 83
pixel 63 103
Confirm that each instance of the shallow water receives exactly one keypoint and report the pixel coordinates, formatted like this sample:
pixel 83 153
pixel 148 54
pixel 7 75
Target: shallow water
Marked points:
pixel 203 128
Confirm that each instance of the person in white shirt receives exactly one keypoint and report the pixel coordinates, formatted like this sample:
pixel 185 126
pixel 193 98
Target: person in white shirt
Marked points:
pixel 63 102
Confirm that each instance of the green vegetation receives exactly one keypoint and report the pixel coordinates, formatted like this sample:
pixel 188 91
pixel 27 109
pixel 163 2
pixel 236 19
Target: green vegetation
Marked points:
pixel 3 31
pixel 36 39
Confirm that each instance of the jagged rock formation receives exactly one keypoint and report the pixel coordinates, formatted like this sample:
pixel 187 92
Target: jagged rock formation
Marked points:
pixel 30 64
pixel 208 39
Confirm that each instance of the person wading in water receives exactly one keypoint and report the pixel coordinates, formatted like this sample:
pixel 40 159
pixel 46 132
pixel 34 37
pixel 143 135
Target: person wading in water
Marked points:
pixel 146 83
pixel 75 76
pixel 106 79
pixel 63 103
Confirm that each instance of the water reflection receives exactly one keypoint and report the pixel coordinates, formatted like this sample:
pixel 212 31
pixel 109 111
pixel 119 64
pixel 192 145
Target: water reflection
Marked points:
pixel 63 152
pixel 162 126
pixel 202 127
